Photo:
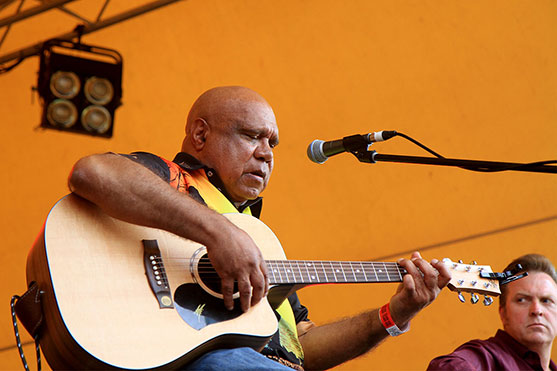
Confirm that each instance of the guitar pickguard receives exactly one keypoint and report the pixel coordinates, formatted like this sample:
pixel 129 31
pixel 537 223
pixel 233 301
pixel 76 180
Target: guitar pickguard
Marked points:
pixel 200 309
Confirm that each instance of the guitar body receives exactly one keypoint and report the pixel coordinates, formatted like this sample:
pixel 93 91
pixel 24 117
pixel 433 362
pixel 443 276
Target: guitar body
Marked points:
pixel 100 312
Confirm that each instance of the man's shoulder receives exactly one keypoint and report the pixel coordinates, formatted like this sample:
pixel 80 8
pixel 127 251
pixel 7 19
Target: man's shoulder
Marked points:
pixel 496 352
pixel 142 156
pixel 472 355
pixel 156 164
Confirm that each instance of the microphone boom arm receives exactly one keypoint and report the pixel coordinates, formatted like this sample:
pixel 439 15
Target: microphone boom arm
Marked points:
pixel 372 156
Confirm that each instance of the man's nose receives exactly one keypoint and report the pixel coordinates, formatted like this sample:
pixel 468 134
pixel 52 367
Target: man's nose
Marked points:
pixel 536 309
pixel 264 151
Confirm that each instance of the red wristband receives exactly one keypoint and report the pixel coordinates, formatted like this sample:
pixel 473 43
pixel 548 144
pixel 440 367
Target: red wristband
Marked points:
pixel 388 323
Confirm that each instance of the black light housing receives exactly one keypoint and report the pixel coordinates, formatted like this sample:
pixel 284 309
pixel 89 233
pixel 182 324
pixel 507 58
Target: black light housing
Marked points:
pixel 80 87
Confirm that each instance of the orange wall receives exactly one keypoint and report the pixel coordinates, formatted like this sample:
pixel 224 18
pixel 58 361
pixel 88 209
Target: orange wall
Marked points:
pixel 472 80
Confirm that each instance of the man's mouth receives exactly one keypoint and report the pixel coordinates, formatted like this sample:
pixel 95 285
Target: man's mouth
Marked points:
pixel 258 173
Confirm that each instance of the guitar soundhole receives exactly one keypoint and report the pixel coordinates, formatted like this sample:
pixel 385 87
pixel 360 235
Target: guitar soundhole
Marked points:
pixel 197 307
pixel 209 276
pixel 200 309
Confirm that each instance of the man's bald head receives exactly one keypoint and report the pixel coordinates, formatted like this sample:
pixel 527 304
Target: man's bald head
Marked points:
pixel 217 103
pixel 233 130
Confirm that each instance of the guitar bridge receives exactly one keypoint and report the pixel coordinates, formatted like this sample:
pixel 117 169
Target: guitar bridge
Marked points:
pixel 156 274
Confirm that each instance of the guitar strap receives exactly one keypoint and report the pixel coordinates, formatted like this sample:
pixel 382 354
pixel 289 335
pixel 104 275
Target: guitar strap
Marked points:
pixel 29 311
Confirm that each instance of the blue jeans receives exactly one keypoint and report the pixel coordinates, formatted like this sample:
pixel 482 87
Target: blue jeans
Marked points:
pixel 241 359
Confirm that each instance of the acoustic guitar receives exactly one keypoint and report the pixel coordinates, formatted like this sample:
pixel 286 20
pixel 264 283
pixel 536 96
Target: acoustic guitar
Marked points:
pixel 122 296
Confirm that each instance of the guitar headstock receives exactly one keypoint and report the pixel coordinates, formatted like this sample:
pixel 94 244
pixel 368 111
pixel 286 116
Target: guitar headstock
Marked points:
pixel 466 278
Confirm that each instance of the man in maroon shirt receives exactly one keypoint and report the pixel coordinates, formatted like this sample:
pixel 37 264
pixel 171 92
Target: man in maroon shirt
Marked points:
pixel 528 311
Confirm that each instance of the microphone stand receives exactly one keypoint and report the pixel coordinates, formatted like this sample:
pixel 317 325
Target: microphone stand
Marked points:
pixel 372 157
pixel 359 146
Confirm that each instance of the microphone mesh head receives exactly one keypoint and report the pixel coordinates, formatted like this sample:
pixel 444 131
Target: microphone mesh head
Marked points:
pixel 315 152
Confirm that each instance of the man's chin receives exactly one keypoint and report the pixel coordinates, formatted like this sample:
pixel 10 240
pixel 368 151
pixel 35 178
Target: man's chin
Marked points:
pixel 245 194
pixel 538 337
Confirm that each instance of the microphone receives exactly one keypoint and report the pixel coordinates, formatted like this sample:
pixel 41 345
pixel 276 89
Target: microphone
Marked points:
pixel 319 151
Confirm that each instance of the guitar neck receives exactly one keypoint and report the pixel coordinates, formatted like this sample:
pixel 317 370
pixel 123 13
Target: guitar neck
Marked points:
pixel 308 272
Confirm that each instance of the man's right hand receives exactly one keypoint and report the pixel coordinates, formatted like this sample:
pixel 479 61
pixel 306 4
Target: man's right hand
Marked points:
pixel 236 257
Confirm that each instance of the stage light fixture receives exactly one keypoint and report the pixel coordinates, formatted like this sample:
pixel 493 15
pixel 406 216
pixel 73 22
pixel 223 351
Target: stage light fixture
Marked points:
pixel 80 87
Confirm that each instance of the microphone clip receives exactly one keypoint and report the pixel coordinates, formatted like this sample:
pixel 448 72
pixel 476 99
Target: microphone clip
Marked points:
pixel 359 146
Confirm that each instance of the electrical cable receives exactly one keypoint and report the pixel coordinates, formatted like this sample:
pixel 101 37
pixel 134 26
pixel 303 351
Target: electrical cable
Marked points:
pixel 9 68
pixel 477 168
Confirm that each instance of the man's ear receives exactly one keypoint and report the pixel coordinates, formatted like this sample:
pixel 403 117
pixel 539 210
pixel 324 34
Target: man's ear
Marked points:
pixel 200 130
pixel 502 315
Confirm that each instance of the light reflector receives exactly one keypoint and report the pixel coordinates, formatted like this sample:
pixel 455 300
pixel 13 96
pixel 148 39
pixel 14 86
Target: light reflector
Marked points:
pixel 61 113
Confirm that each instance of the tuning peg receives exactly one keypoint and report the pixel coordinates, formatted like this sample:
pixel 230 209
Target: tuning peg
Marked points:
pixel 488 300
pixel 474 298
pixel 460 261
pixel 461 297
pixel 474 262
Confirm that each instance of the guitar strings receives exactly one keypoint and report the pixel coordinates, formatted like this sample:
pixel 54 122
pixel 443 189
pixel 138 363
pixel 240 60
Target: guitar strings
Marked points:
pixel 312 272
pixel 302 271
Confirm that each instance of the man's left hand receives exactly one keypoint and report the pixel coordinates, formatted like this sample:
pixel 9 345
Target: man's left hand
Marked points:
pixel 419 287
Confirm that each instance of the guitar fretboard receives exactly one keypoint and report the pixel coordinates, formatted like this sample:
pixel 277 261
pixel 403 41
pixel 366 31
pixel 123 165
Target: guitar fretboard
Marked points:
pixel 311 271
